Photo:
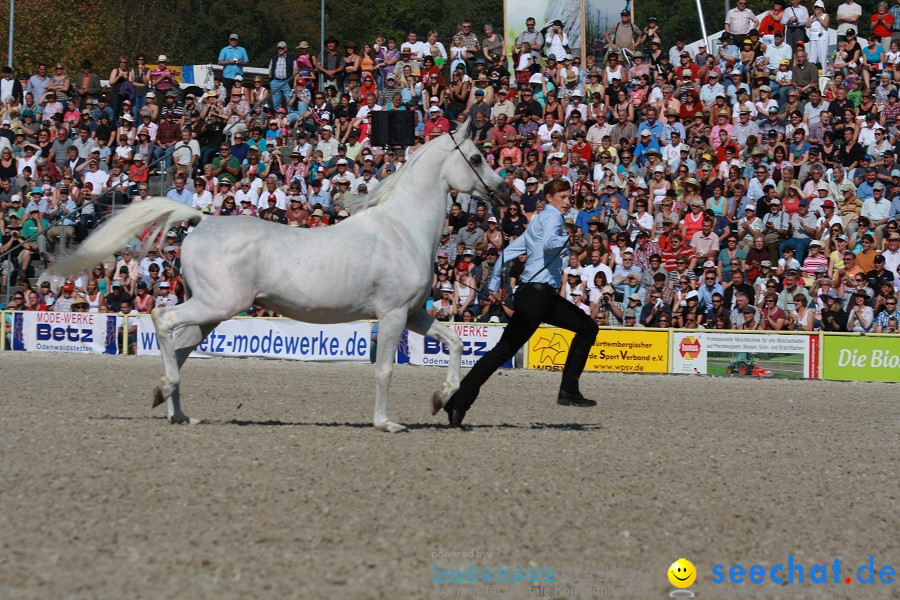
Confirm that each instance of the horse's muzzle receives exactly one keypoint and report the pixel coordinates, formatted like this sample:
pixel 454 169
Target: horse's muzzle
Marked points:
pixel 501 195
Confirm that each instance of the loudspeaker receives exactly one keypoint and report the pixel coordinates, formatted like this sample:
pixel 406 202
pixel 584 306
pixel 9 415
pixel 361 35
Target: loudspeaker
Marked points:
pixel 393 128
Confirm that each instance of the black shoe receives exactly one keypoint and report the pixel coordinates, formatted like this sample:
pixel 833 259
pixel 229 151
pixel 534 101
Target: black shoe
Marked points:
pixel 569 399
pixel 455 414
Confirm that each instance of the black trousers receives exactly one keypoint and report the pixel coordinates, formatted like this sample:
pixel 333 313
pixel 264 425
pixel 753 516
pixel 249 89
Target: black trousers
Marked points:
pixel 535 303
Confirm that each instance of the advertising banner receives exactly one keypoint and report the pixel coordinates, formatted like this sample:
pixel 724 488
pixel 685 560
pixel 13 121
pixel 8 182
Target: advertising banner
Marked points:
pixel 752 355
pixel 64 332
pixel 477 338
pixel 276 338
pixel 624 351
pixel 861 358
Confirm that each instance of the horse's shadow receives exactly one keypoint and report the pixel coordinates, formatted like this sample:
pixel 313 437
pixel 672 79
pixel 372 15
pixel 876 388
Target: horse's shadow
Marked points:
pixel 366 425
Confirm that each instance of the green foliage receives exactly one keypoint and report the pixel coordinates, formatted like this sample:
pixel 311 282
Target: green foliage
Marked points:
pixel 193 31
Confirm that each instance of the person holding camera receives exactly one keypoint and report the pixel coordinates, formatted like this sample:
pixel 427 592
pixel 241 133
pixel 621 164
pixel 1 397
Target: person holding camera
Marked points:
pixel 62 210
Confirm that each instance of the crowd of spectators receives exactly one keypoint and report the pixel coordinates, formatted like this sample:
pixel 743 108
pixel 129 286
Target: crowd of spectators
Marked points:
pixel 727 188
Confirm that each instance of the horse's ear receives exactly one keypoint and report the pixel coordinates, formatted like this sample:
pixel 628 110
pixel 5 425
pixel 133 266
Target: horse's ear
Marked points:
pixel 462 132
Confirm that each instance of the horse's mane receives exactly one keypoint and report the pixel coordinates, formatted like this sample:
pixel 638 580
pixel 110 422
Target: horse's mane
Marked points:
pixel 360 203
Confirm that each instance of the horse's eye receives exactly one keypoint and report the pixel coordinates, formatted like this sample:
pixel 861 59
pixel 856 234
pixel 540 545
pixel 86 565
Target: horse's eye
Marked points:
pixel 476 159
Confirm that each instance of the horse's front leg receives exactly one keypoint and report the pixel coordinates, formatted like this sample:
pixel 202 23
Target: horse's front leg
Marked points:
pixel 424 324
pixel 390 328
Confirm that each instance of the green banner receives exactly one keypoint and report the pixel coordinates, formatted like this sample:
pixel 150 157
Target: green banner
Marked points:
pixel 862 358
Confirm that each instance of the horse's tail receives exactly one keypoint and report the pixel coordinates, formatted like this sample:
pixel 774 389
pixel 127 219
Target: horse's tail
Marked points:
pixel 160 213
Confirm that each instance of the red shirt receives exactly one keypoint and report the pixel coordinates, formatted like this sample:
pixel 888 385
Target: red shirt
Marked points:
pixel 136 177
pixel 769 24
pixel 775 314
pixel 690 110
pixel 884 27
pixel 689 72
pixel 586 151
pixel 441 122
pixel 693 223
pixel 669 258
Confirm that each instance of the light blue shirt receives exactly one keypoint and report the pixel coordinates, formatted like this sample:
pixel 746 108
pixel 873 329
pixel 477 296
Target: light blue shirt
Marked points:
pixel 228 54
pixel 542 240
pixel 895 209
pixel 41 205
pixel 776 54
pixel 704 294
pixel 185 197
pixel 71 207
pixel 709 92
pixel 656 128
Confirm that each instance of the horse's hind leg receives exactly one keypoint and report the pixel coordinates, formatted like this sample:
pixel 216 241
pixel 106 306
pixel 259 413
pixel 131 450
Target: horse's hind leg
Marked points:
pixel 424 324
pixel 390 328
pixel 193 321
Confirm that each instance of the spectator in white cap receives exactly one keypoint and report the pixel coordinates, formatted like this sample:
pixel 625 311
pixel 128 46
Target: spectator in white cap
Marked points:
pixel 877 210
pixel 436 118
pixel 341 171
pixel 164 295
pixel 817 31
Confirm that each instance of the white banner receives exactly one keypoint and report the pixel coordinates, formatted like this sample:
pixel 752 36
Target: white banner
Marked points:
pixel 64 332
pixel 273 338
pixel 477 339
pixel 759 355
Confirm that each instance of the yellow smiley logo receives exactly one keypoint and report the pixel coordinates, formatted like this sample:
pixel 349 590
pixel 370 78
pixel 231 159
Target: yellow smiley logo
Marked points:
pixel 682 573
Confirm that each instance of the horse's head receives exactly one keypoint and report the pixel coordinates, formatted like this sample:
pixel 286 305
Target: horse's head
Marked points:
pixel 466 170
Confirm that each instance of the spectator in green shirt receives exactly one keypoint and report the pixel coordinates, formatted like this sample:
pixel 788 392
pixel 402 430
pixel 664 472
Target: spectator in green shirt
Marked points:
pixel 34 236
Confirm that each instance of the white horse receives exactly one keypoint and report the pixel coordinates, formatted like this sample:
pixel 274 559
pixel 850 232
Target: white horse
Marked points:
pixel 376 264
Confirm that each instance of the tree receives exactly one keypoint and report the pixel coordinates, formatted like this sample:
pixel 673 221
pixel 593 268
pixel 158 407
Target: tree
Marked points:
pixel 193 31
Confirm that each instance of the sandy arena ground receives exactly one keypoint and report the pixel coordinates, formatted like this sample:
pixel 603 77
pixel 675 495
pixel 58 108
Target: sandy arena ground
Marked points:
pixel 285 491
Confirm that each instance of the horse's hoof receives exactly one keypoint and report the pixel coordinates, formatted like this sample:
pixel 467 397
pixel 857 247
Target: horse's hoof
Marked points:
pixel 158 397
pixel 179 419
pixel 437 402
pixel 391 427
